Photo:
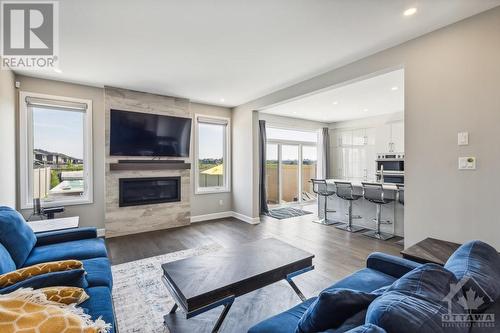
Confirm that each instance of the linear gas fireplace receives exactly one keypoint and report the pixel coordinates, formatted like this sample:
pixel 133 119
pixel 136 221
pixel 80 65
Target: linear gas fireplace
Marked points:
pixel 144 191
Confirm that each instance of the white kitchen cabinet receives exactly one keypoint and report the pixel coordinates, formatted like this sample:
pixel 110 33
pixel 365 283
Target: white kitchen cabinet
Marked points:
pixel 398 137
pixel 383 138
pixel 390 138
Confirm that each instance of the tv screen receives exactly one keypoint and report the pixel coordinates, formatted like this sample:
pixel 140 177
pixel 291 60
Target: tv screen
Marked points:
pixel 144 134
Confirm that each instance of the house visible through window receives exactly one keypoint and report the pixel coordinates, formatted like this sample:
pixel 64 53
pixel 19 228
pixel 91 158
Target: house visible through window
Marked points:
pixel 56 150
pixel 212 154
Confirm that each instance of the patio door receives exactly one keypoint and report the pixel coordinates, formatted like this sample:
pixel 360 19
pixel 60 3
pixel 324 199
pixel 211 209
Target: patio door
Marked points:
pixel 289 169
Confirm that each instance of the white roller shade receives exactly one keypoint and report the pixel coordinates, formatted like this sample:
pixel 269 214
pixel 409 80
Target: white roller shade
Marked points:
pixel 215 121
pixel 51 103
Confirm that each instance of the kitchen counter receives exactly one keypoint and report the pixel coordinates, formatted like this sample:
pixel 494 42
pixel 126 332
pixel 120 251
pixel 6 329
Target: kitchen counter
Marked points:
pixel 357 183
pixel 393 212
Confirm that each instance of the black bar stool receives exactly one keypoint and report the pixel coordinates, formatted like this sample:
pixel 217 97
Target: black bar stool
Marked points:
pixel 320 187
pixel 345 191
pixel 374 192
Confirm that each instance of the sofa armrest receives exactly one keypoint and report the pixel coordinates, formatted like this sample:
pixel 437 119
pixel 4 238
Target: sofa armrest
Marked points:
pixel 391 265
pixel 59 236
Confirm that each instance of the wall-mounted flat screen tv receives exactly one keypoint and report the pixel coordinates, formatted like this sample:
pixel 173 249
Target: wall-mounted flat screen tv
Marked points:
pixel 144 134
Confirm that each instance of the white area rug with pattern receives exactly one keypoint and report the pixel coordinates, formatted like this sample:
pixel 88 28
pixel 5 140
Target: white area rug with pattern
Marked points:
pixel 140 298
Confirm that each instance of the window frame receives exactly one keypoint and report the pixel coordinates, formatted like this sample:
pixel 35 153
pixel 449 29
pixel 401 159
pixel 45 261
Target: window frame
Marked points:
pixel 226 157
pixel 26 152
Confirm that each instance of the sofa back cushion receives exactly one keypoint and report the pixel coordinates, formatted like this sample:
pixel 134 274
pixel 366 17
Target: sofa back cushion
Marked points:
pixel 15 235
pixel 418 301
pixel 332 308
pixel 477 265
pixel 6 262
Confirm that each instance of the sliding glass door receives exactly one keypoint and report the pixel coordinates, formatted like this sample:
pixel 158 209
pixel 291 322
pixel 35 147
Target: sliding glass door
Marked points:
pixel 289 169
pixel 289 172
pixel 272 174
pixel 309 166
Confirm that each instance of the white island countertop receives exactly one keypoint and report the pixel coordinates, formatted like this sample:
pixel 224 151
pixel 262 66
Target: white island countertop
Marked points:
pixel 357 183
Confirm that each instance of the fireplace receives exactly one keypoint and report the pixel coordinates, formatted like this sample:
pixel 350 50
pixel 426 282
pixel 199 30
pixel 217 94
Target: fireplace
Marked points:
pixel 144 191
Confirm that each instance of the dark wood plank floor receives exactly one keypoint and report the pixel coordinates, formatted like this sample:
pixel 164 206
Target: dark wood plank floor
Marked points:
pixel 337 254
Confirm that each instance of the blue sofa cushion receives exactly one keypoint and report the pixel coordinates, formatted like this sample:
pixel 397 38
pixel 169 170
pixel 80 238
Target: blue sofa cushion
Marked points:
pixel 15 235
pixel 98 272
pixel 71 278
pixel 285 322
pixel 78 249
pixel 478 265
pixel 100 304
pixel 366 280
pixel 417 302
pixel 367 328
pixel 332 308
pixel 391 265
pixel 6 262
pixel 60 236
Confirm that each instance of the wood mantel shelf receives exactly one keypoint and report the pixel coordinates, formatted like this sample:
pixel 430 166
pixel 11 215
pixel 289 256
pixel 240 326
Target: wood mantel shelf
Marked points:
pixel 149 166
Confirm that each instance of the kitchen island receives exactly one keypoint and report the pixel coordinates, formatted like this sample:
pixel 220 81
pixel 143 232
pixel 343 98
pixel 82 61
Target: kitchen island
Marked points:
pixel 393 212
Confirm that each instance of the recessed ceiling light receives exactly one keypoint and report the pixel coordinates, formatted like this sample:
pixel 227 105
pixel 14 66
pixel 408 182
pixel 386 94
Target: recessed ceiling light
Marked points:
pixel 410 11
pixel 222 100
pixel 335 103
pixel 365 110
pixel 394 88
pixel 58 70
pixel 294 112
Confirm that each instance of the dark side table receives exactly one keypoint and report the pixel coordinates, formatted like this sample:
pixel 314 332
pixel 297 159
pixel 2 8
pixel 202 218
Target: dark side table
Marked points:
pixel 430 250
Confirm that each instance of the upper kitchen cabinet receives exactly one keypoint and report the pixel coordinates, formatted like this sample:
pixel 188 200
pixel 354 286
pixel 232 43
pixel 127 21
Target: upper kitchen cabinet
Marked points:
pixel 390 137
pixel 398 137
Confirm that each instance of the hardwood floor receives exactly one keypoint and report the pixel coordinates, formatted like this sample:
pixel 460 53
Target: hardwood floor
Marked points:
pixel 337 252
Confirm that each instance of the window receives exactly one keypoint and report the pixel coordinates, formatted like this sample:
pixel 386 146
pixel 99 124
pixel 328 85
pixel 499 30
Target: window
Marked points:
pixel 55 150
pixel 212 158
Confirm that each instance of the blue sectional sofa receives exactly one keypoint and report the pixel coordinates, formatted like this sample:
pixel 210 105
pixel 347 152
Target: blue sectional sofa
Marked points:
pixel 395 295
pixel 20 247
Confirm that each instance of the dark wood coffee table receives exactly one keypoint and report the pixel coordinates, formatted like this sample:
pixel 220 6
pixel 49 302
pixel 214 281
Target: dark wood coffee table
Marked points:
pixel 430 250
pixel 199 284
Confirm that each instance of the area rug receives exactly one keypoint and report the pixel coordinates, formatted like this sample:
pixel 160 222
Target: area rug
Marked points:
pixel 286 212
pixel 140 298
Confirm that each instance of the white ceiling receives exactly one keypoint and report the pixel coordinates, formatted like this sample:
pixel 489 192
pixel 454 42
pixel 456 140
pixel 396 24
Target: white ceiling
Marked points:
pixel 236 50
pixel 375 96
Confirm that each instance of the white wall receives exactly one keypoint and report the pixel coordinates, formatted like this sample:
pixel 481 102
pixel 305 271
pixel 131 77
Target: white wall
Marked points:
pixel 452 80
pixel 7 139
pixel 290 122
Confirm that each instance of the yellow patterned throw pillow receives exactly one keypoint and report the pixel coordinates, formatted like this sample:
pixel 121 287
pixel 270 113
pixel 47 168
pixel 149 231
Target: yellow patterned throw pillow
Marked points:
pixel 21 274
pixel 28 310
pixel 65 295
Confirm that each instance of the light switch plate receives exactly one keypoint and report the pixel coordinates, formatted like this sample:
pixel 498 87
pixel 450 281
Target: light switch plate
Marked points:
pixel 467 163
pixel 463 138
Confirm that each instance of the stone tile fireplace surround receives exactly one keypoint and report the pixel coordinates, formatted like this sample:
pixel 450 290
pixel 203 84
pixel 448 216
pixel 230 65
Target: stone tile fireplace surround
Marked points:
pixel 149 217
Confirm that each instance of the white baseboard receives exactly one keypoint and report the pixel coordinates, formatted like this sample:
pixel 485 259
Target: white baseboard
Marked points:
pixel 101 232
pixel 221 215
pixel 212 216
pixel 247 219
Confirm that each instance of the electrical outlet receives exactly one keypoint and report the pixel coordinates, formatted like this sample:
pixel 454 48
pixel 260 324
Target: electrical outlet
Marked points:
pixel 467 163
pixel 221 202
